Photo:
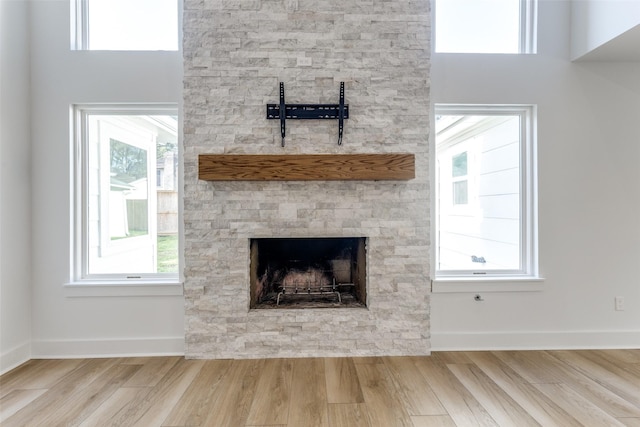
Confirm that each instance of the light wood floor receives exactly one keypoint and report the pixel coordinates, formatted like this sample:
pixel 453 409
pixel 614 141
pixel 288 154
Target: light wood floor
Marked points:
pixel 528 388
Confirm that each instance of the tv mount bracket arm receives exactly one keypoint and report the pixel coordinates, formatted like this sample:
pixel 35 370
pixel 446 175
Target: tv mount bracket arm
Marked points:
pixel 284 111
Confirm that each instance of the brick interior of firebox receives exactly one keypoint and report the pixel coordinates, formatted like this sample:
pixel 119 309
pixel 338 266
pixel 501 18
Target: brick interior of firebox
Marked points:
pixel 308 273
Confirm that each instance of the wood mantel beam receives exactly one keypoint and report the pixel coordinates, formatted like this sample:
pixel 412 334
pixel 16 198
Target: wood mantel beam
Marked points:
pixel 305 167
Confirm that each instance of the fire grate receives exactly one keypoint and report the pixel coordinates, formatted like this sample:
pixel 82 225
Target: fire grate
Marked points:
pixel 310 282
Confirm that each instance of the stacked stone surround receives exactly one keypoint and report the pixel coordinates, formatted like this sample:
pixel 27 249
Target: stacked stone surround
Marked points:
pixel 235 54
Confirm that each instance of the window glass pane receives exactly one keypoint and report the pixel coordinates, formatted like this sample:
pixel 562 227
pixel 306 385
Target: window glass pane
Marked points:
pixel 477 26
pixel 479 216
pixel 131 208
pixel 460 192
pixel 459 165
pixel 128 196
pixel 132 24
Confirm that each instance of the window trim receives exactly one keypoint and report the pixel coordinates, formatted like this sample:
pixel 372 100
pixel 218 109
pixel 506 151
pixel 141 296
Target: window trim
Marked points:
pixel 147 283
pixel 480 284
pixel 466 280
pixel 79 25
pixel 528 26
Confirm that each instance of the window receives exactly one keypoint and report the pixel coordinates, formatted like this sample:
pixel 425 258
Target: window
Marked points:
pixel 459 179
pixel 125 24
pixel 485 26
pixel 126 192
pixel 485 191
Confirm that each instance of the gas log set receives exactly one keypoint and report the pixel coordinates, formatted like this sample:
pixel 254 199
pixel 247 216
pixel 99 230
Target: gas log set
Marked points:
pixel 308 272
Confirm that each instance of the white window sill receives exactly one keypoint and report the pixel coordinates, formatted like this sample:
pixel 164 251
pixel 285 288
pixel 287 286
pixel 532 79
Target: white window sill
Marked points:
pixel 487 284
pixel 115 288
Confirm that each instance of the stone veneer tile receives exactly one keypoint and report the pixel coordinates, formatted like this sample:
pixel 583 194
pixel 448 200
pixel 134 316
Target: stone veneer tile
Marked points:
pixel 235 53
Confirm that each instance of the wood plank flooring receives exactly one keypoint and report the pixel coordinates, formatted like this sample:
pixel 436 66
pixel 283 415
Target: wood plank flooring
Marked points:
pixel 508 388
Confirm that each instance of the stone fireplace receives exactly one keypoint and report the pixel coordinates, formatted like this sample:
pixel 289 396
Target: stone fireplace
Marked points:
pixel 235 54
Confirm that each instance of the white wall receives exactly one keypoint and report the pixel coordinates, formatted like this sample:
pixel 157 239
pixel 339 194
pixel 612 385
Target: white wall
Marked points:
pixel 64 323
pixel 15 185
pixel 589 197
pixel 596 22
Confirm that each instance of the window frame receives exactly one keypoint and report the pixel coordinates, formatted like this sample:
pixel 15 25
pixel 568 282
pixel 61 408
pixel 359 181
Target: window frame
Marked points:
pixel 79 25
pixel 79 273
pixel 527 37
pixel 528 26
pixel 528 274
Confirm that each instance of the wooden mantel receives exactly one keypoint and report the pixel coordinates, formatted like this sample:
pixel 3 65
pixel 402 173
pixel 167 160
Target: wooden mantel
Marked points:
pixel 305 167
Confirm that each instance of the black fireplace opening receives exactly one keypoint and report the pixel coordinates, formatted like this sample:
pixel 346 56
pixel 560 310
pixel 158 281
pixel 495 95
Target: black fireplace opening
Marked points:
pixel 328 272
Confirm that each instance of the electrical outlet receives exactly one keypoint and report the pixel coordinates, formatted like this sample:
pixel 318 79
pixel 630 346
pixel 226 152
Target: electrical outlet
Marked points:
pixel 619 302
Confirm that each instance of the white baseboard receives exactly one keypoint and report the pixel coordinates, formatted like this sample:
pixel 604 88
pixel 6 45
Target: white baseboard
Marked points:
pixel 564 340
pixel 440 341
pixel 138 347
pixel 15 357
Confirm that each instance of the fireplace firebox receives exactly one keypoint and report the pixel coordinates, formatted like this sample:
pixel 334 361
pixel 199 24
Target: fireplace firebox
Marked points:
pixel 325 272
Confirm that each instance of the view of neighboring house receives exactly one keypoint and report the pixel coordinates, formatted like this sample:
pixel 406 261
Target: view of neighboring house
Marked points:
pixel 478 175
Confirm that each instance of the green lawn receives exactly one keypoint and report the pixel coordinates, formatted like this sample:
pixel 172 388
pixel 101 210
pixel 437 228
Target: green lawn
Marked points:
pixel 168 254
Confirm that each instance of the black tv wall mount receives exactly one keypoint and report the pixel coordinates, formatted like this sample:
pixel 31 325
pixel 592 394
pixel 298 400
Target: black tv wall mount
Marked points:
pixel 284 111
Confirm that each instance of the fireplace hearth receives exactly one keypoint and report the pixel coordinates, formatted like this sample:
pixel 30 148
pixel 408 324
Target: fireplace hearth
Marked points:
pixel 308 272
